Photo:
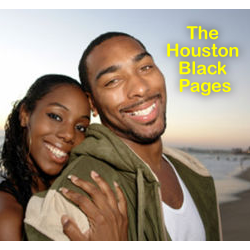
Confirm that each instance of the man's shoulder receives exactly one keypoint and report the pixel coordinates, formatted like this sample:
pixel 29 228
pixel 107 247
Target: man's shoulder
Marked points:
pixel 188 160
pixel 83 165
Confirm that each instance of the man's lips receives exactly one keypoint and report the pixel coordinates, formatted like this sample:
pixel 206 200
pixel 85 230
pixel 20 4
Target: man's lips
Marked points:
pixel 141 105
pixel 144 112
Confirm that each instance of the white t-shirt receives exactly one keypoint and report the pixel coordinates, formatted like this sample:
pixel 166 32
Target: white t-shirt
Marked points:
pixel 183 223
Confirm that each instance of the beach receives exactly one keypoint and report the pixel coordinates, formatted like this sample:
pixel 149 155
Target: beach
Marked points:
pixel 235 215
pixel 231 173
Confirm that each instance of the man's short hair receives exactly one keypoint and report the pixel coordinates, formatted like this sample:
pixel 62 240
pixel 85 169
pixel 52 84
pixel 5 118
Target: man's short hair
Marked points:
pixel 83 71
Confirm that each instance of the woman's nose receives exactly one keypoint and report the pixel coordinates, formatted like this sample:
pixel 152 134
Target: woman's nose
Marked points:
pixel 67 134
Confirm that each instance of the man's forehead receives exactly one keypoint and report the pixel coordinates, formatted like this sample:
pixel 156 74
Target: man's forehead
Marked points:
pixel 117 45
pixel 121 39
pixel 114 50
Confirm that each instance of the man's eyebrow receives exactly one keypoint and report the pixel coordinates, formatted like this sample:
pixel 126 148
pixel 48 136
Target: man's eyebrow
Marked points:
pixel 114 68
pixel 140 56
pixel 107 70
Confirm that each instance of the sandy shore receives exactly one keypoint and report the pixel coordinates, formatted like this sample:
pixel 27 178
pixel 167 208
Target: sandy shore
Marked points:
pixel 235 215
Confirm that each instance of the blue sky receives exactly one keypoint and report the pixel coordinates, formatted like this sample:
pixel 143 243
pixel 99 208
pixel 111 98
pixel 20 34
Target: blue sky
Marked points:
pixel 37 42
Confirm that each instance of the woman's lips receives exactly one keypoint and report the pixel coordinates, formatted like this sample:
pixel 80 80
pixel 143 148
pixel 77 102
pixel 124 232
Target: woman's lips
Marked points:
pixel 57 154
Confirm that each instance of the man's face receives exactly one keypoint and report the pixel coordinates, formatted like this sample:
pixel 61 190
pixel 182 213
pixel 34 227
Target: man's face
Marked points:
pixel 128 89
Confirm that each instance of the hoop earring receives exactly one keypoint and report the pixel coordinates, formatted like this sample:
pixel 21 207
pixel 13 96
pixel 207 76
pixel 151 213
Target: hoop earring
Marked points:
pixel 3 171
pixel 30 140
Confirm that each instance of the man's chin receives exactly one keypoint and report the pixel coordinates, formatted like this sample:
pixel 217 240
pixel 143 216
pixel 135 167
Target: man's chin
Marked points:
pixel 140 135
pixel 146 138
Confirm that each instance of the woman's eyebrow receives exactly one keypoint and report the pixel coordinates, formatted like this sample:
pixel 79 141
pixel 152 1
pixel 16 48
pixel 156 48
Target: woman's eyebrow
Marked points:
pixel 58 104
pixel 62 106
pixel 85 117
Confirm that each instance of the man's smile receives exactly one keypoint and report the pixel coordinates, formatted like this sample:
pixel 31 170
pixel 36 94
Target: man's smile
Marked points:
pixel 144 111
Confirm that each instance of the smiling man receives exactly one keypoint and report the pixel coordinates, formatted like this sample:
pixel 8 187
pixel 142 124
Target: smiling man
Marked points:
pixel 128 90
pixel 170 195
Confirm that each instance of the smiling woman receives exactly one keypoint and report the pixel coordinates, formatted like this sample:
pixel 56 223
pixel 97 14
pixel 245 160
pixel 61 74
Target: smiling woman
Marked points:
pixel 39 134
pixel 57 124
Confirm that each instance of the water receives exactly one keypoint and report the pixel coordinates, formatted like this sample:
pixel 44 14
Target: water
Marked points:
pixel 220 165
pixel 1 140
pixel 223 167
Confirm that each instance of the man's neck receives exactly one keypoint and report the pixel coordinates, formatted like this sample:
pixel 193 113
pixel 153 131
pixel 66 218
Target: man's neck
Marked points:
pixel 149 153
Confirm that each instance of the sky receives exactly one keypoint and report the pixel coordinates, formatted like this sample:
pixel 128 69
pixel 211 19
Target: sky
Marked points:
pixel 36 42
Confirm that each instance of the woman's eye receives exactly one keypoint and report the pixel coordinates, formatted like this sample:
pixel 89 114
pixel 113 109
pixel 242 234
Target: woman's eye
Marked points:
pixel 81 128
pixel 54 117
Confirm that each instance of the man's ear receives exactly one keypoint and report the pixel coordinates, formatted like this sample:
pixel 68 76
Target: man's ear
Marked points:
pixel 23 116
pixel 92 104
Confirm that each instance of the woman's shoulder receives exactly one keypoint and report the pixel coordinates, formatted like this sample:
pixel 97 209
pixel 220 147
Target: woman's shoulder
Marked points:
pixel 11 217
pixel 7 200
pixel 10 208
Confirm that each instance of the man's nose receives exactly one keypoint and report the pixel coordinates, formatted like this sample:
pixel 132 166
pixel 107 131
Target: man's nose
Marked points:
pixel 137 86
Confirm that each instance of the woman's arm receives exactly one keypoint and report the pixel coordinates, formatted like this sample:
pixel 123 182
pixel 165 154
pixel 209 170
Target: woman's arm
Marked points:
pixel 106 214
pixel 11 218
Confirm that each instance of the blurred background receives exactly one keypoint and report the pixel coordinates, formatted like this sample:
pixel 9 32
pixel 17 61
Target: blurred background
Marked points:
pixel 214 128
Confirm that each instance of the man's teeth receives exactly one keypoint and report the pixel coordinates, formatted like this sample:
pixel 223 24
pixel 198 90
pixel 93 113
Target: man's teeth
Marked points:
pixel 57 152
pixel 144 111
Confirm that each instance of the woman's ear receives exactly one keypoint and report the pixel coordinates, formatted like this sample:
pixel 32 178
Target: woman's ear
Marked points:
pixel 92 104
pixel 23 117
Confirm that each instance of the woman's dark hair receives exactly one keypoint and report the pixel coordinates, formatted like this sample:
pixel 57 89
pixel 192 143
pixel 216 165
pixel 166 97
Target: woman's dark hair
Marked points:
pixel 15 149
pixel 82 68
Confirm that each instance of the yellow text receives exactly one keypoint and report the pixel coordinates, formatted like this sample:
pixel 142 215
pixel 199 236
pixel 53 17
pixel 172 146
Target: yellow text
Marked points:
pixel 204 88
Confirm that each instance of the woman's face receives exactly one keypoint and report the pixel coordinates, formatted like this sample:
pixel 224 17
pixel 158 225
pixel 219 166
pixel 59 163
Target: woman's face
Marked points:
pixel 57 124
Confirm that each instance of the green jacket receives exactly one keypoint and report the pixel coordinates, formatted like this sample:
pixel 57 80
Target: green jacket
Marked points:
pixel 103 152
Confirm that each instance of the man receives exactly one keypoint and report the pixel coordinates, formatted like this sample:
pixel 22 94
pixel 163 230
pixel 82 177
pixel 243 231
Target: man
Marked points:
pixel 170 195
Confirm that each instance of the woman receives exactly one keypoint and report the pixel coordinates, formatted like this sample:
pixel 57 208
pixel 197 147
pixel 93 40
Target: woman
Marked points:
pixel 39 134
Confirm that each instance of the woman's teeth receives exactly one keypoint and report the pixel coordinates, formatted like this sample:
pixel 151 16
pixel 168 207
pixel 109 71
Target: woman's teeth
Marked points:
pixel 144 111
pixel 57 152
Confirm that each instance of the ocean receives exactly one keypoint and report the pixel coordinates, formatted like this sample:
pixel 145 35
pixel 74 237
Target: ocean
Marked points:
pixel 224 167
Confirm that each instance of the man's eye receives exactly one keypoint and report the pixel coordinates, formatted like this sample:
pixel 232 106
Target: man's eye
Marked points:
pixel 111 82
pixel 54 117
pixel 146 68
pixel 81 128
